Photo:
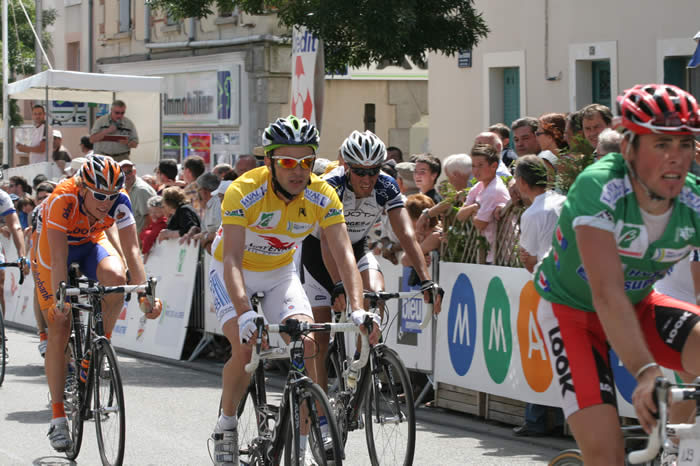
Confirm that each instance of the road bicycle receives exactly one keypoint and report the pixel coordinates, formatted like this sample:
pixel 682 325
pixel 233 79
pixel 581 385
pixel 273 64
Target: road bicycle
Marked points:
pixel 268 433
pixel 659 441
pixel 380 397
pixel 19 263
pixel 93 388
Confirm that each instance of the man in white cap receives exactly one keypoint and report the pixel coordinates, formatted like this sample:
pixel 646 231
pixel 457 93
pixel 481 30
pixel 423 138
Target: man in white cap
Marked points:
pixel 139 193
pixel 60 154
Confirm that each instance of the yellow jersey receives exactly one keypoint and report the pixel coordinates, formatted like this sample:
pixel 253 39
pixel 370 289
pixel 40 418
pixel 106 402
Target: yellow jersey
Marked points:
pixel 273 228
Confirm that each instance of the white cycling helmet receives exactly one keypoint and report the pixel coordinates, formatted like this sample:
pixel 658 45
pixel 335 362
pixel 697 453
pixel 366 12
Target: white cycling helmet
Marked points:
pixel 363 149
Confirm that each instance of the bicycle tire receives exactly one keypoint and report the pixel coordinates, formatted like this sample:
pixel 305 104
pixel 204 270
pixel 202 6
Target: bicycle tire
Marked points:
pixel 314 400
pixel 391 385
pixel 3 347
pixel 571 457
pixel 73 400
pixel 247 425
pixel 337 386
pixel 109 405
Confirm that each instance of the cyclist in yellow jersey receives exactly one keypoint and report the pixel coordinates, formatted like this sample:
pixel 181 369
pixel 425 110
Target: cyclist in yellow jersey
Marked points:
pixel 265 214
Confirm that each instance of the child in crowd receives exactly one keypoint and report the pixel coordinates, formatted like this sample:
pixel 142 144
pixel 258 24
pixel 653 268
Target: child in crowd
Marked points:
pixel 488 195
pixel 159 221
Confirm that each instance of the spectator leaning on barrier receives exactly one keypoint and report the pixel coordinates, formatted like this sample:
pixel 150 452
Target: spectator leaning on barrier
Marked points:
pixel 550 132
pixel 37 143
pixel 594 119
pixel 508 156
pixel 537 226
pixel 19 186
pixel 182 216
pixel 114 134
pixel 524 136
pixel 487 197
pixel 427 235
pixel 208 183
pixel 404 178
pixel 458 169
pixel 167 174
pixel 86 147
pixel 608 142
pixel 428 169
pixel 193 168
pixel 493 140
pixel 244 163
pixel 159 221
pixel 394 153
pixel 139 194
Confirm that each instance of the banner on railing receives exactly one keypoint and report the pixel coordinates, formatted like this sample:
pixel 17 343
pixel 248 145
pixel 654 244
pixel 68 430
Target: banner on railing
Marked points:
pixel 19 299
pixel 489 340
pixel 174 265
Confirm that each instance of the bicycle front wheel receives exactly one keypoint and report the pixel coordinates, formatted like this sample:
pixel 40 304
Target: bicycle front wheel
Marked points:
pixel 110 420
pixel 73 399
pixel 390 420
pixel 3 348
pixel 324 443
pixel 247 425
pixel 570 457
pixel 336 389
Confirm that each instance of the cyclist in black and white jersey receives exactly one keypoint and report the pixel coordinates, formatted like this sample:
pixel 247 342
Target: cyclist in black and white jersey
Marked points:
pixel 366 193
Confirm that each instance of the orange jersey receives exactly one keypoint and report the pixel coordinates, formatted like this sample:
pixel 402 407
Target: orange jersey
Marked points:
pixel 63 211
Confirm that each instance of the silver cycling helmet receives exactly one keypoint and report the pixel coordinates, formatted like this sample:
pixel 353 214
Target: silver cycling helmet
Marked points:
pixel 363 149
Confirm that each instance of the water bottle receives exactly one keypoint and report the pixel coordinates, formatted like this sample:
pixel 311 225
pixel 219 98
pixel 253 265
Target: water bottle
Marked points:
pixel 84 366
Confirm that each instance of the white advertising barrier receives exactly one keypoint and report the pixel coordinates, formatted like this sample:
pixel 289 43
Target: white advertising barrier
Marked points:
pixel 174 266
pixel 489 340
pixel 19 300
pixel 404 317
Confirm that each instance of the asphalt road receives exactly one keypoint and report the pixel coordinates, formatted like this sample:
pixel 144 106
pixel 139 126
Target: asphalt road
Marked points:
pixel 171 410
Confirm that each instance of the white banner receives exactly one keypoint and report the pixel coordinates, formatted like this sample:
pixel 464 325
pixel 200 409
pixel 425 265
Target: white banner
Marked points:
pixel 174 266
pixel 488 337
pixel 211 323
pixel 404 317
pixel 19 300
pixel 307 75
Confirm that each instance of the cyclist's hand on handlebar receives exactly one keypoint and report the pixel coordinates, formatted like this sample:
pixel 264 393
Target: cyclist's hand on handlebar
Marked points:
pixel 24 265
pixel 59 316
pixel 432 290
pixel 151 311
pixel 359 316
pixel 643 398
pixel 247 329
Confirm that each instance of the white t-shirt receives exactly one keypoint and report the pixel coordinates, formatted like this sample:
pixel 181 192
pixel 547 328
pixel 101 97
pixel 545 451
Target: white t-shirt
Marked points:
pixel 678 283
pixel 37 136
pixel 538 222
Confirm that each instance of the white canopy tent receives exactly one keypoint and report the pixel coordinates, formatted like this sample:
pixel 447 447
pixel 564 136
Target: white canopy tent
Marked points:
pixel 141 95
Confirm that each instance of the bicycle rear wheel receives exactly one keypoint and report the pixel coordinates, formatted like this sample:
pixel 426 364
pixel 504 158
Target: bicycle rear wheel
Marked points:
pixel 73 399
pixel 390 420
pixel 110 420
pixel 3 348
pixel 314 405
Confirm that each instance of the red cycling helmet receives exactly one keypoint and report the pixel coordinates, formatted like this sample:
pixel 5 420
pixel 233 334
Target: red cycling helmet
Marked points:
pixel 659 108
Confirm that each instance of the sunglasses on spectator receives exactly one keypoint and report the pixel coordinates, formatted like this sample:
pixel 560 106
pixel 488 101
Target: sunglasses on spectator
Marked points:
pixel 102 196
pixel 366 171
pixel 290 162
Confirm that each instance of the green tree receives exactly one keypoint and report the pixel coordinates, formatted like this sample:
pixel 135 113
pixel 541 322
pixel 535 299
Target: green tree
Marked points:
pixel 20 46
pixel 361 32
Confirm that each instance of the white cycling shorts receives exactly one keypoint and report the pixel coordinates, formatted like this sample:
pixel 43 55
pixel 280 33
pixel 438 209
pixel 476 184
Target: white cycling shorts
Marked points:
pixel 284 294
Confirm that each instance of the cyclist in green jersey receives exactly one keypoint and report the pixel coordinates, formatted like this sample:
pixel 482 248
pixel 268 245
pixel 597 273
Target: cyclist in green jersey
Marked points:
pixel 627 219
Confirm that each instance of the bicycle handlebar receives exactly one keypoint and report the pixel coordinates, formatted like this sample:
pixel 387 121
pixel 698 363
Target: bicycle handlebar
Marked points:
pixel 19 263
pixel 64 291
pixel 657 438
pixel 296 327
pixel 375 296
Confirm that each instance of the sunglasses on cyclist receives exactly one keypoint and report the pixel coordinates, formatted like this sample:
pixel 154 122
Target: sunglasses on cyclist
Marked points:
pixel 366 171
pixel 290 162
pixel 102 196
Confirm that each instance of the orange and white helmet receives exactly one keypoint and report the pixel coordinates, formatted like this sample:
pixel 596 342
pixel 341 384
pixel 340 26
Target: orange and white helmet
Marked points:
pixel 101 172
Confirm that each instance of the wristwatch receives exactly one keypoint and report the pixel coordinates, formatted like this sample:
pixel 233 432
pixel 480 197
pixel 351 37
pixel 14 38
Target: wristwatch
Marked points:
pixel 426 212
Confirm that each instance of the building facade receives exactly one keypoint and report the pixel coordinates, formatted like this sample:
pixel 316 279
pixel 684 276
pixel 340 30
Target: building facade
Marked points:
pixel 557 56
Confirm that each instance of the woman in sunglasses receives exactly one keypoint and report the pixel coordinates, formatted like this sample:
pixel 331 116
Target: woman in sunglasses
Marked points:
pixel 366 194
pixel 76 220
pixel 266 213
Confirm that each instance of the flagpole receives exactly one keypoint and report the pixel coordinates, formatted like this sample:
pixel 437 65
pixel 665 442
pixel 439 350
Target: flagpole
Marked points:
pixel 5 80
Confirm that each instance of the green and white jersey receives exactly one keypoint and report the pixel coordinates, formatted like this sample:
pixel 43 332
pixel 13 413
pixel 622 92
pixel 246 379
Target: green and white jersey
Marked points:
pixel 602 197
